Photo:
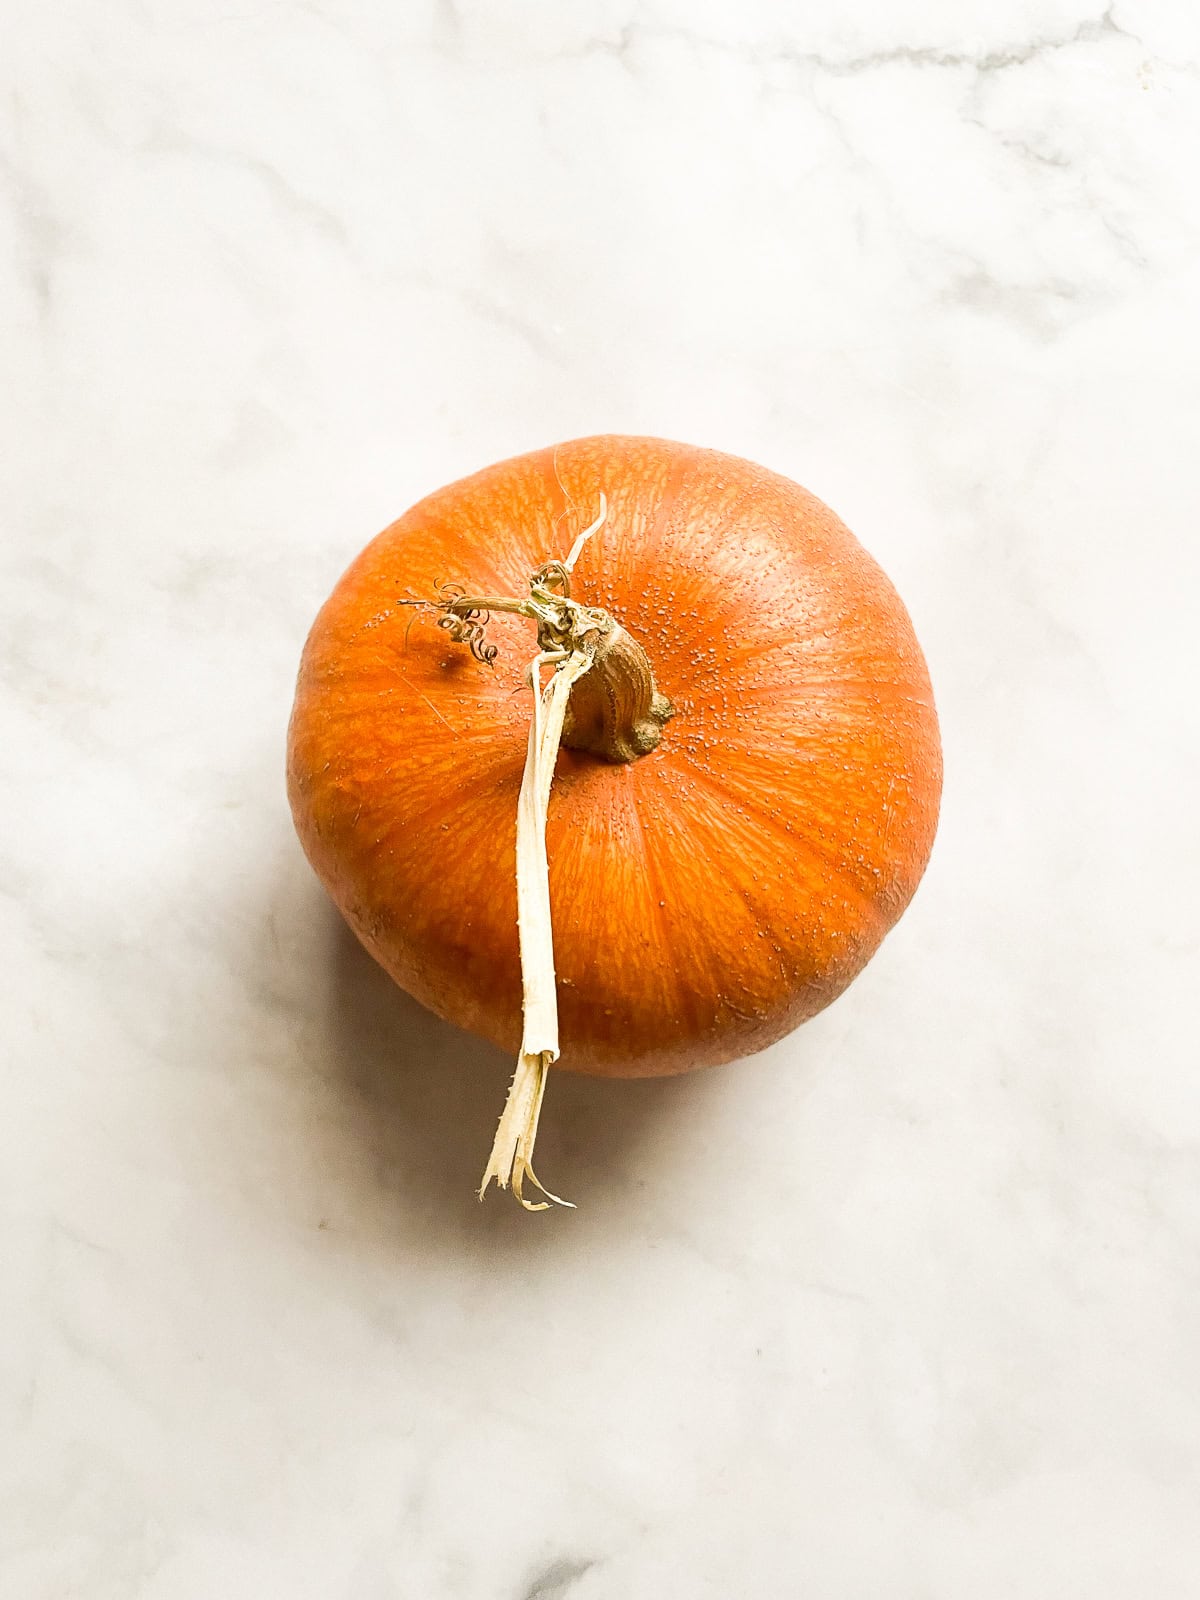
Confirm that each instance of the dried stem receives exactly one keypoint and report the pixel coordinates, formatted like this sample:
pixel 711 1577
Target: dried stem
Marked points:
pixel 621 721
pixel 511 1160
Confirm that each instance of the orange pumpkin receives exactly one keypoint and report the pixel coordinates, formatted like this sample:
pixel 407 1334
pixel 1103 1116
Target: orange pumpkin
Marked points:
pixel 720 867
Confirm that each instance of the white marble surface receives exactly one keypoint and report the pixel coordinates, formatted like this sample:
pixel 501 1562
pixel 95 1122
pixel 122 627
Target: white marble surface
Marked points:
pixel 907 1307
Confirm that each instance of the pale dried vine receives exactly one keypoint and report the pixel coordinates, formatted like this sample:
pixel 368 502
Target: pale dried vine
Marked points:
pixel 624 722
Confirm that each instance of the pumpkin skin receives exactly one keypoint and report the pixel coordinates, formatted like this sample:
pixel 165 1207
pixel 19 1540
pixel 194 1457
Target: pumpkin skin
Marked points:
pixel 708 896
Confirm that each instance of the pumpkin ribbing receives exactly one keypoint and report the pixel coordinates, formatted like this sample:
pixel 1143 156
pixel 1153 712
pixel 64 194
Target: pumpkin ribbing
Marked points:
pixel 712 892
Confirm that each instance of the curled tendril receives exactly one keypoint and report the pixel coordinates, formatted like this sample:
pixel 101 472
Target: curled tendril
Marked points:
pixel 464 624
pixel 467 627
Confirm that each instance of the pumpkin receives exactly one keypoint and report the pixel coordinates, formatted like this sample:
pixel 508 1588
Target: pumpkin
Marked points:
pixel 746 791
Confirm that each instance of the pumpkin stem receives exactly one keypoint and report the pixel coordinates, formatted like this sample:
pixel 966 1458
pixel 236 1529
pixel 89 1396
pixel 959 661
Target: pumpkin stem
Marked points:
pixel 511 1159
pixel 616 712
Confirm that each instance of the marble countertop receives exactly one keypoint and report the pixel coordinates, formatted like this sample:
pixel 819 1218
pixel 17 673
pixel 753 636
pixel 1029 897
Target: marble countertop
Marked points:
pixel 907 1306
